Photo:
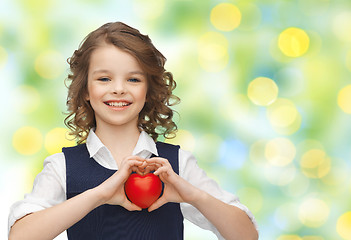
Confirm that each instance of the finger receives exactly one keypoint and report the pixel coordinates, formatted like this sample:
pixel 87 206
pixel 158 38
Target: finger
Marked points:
pixel 138 171
pixel 162 170
pixel 129 166
pixel 153 167
pixel 134 157
pixel 131 206
pixel 141 170
pixel 133 163
pixel 144 164
pixel 149 169
pixel 157 160
pixel 158 203
pixel 157 165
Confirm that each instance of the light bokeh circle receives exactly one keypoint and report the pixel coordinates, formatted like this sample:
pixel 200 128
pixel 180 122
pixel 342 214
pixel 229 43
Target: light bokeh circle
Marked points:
pixel 344 99
pixel 343 226
pixel 225 17
pixel 27 140
pixel 313 212
pixel 293 42
pixel 56 139
pixel 262 91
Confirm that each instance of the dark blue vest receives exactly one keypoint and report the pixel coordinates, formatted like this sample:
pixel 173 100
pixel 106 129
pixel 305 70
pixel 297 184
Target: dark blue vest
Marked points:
pixel 115 222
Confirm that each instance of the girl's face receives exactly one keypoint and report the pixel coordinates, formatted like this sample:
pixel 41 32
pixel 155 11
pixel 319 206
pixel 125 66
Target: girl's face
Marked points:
pixel 117 87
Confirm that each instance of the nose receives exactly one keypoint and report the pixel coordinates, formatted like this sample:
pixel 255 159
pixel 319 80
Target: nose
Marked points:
pixel 119 87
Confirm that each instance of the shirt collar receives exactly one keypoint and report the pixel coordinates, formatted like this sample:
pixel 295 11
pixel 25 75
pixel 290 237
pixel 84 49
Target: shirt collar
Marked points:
pixel 145 144
pixel 94 144
pixel 144 147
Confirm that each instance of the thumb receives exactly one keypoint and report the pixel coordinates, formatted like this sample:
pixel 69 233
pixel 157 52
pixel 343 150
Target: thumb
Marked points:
pixel 131 206
pixel 158 203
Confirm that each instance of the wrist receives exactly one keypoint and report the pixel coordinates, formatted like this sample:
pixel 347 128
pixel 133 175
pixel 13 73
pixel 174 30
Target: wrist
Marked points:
pixel 97 196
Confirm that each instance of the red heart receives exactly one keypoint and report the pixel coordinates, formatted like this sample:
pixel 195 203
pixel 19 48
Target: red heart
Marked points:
pixel 143 190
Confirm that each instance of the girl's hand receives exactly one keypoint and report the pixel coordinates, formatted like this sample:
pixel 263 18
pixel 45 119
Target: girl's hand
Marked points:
pixel 176 189
pixel 112 190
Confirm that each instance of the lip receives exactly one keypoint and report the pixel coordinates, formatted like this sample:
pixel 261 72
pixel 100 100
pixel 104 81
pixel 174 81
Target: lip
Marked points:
pixel 118 104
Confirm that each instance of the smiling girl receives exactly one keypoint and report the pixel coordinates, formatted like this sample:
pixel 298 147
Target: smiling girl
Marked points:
pixel 119 102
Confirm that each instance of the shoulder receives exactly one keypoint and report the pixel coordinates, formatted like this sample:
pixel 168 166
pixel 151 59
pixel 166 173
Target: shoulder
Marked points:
pixel 54 170
pixel 55 159
pixel 167 145
pixel 74 148
pixel 55 164
pixel 75 151
pixel 184 155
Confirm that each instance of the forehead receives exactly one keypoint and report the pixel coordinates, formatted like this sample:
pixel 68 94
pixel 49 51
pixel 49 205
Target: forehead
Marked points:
pixel 110 57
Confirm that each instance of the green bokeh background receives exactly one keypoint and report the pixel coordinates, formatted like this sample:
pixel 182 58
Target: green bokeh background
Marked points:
pixel 218 122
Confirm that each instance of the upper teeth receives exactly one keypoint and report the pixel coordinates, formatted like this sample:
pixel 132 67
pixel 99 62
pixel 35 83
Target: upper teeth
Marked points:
pixel 117 104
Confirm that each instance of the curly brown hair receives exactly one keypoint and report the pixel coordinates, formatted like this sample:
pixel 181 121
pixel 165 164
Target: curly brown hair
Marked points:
pixel 156 117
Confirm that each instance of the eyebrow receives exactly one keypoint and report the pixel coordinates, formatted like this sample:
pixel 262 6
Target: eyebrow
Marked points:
pixel 101 71
pixel 137 72
pixel 107 71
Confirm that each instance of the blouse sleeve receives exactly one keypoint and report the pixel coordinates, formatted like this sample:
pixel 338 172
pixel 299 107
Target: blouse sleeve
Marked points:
pixel 49 189
pixel 190 171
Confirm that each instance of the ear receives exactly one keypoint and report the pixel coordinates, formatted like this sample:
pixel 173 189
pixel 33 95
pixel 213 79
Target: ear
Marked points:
pixel 87 97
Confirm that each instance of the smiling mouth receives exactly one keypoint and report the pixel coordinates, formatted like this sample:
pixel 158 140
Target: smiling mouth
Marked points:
pixel 118 104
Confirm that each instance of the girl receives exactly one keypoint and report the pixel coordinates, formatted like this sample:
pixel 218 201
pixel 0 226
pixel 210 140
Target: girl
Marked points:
pixel 119 102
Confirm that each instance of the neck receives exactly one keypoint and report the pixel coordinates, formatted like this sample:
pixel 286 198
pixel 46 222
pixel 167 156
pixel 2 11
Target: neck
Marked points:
pixel 118 139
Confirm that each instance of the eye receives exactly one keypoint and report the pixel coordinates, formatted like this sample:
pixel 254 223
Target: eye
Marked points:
pixel 133 80
pixel 104 79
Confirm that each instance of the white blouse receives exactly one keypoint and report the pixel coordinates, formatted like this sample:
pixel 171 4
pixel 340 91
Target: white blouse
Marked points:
pixel 49 186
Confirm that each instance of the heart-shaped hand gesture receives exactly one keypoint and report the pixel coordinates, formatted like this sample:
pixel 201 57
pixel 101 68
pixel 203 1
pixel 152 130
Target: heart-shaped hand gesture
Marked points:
pixel 112 190
pixel 143 190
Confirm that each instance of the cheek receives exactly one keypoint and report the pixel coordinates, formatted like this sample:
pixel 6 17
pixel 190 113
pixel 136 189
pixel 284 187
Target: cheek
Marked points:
pixel 143 94
pixel 94 92
pixel 88 91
